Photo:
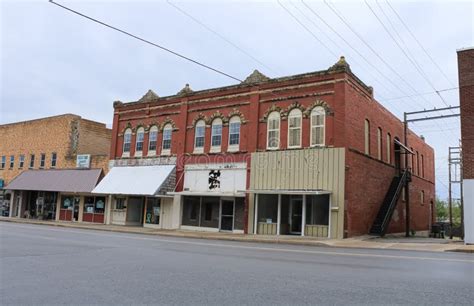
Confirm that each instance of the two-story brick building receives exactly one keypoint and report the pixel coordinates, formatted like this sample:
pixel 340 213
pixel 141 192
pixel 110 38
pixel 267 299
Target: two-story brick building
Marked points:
pixel 311 154
pixel 39 166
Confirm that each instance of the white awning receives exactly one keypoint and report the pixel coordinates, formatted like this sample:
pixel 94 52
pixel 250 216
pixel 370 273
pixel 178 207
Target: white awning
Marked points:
pixel 140 180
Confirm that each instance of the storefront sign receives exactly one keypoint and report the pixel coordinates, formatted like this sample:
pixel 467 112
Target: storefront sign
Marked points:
pixel 225 177
pixel 83 161
pixel 100 204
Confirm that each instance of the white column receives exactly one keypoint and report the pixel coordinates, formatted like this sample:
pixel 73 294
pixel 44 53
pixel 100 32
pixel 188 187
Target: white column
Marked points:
pixel 255 223
pixel 12 203
pixel 303 217
pixel 108 210
pixel 279 214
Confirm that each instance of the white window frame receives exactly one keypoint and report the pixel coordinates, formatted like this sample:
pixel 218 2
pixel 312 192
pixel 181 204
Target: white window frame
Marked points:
pixel 21 162
pixel 140 131
pixel 42 160
pixel 153 129
pixel 54 159
pixel 273 116
pixel 318 111
pixel 295 113
pixel 215 123
pixel 201 125
pixel 234 147
pixel 127 133
pixel 166 129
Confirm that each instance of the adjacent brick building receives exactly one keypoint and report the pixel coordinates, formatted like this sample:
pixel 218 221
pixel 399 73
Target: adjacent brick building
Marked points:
pixel 51 143
pixel 466 99
pixel 311 154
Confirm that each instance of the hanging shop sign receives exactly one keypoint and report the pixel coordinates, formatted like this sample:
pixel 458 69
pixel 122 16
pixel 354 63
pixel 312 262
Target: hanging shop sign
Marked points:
pixel 228 177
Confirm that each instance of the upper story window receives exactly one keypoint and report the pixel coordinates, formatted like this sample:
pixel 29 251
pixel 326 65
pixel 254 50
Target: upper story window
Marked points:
pixel 273 130
pixel 216 135
pixel 152 140
pixel 367 136
pixel 42 160
pixel 389 148
pixel 32 161
pixel 199 134
pixel 166 145
pixel 127 140
pixel 53 160
pixel 234 133
pixel 294 128
pixel 417 163
pixel 21 161
pixel 4 161
pixel 139 142
pixel 422 166
pixel 12 161
pixel 317 126
pixel 379 143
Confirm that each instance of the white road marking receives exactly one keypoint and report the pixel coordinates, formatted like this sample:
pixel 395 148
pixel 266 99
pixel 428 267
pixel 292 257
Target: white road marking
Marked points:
pixel 236 246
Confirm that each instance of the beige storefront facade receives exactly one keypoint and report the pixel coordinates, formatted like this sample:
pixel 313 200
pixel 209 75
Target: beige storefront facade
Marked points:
pixel 297 192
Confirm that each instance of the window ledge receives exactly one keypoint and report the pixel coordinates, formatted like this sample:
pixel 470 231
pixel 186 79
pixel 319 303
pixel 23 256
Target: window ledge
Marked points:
pixel 138 154
pixel 215 150
pixel 125 155
pixel 165 153
pixel 198 151
pixel 151 153
pixel 233 149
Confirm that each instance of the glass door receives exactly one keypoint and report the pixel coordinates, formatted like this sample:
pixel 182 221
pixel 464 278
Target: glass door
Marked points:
pixel 296 214
pixel 227 215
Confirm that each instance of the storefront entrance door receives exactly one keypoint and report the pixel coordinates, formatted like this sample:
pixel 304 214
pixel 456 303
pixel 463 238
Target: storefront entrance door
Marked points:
pixel 227 215
pixel 296 214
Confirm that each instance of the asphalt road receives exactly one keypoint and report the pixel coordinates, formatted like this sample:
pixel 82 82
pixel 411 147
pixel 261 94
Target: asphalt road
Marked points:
pixel 48 265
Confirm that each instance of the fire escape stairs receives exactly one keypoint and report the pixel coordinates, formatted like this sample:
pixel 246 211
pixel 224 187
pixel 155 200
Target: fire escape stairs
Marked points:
pixel 381 222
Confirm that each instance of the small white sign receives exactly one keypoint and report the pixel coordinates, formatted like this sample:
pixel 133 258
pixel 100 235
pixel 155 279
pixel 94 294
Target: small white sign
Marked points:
pixel 83 161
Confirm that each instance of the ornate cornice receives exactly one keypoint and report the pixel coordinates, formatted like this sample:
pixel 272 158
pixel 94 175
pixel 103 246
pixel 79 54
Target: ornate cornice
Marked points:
pixel 256 77
pixel 149 96
pixel 185 91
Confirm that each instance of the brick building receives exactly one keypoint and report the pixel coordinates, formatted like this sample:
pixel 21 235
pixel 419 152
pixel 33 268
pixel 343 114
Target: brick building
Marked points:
pixel 311 154
pixel 466 98
pixel 37 149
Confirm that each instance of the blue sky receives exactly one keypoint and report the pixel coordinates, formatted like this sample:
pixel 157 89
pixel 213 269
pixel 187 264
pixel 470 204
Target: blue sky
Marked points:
pixel 55 62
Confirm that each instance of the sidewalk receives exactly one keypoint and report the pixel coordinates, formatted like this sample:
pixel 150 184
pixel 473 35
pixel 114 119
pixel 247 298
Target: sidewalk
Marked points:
pixel 364 242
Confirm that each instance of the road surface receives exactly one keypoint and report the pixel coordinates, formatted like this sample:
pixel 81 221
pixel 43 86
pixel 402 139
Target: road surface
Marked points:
pixel 50 265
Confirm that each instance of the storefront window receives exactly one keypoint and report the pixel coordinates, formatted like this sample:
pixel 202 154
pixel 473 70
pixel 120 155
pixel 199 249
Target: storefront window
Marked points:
pixel 120 204
pixel 68 202
pixel 94 205
pixel 191 211
pixel 153 211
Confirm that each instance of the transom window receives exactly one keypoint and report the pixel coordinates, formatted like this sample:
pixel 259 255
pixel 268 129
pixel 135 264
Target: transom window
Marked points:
pixel 140 139
pixel 273 130
pixel 166 145
pixel 294 128
pixel 216 134
pixel 317 126
pixel 153 137
pixel 127 139
pixel 234 133
pixel 199 135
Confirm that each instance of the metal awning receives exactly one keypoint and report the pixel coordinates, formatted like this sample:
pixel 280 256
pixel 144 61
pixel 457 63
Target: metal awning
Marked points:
pixel 57 180
pixel 289 191
pixel 140 180
pixel 408 150
pixel 208 194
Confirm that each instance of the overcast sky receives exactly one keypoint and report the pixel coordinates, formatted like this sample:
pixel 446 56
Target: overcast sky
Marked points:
pixel 54 62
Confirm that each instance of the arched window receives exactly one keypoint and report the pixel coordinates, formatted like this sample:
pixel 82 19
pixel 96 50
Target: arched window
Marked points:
pixel 389 148
pixel 139 141
pixel 317 126
pixel 294 128
pixel 199 134
pixel 379 143
pixel 273 131
pixel 367 136
pixel 216 135
pixel 152 140
pixel 234 133
pixel 422 166
pixel 127 140
pixel 166 144
pixel 417 163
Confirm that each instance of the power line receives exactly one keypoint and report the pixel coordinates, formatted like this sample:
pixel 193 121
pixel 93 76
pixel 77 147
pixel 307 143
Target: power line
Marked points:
pixel 181 10
pixel 422 94
pixel 147 42
pixel 306 28
pixel 413 62
pixel 419 44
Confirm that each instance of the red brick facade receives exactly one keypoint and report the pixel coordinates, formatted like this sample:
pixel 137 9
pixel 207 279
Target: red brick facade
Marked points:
pixel 347 101
pixel 466 98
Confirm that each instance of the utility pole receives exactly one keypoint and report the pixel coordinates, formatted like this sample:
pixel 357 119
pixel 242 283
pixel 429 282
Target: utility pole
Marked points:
pixel 455 164
pixel 407 181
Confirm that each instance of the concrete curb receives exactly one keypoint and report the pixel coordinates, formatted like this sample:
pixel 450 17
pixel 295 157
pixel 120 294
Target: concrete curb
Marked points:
pixel 347 243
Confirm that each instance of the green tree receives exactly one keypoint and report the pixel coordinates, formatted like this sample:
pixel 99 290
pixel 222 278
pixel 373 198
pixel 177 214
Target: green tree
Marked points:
pixel 442 212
